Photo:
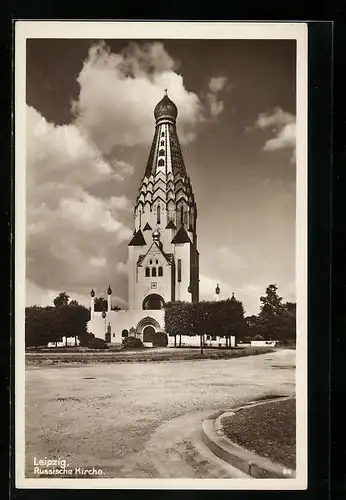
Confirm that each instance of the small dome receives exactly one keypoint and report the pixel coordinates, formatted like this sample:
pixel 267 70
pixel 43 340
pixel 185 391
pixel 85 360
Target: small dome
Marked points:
pixel 165 107
pixel 156 235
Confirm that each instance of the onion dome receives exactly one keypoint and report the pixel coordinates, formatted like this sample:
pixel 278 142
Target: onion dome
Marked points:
pixel 156 235
pixel 166 109
pixel 109 291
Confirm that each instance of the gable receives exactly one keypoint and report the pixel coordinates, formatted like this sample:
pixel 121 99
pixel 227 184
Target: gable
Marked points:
pixel 155 252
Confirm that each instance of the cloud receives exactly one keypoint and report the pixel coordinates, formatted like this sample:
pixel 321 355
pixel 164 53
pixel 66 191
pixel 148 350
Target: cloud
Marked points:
pixel 283 124
pixel 248 294
pixel 229 259
pixel 72 236
pixel 217 83
pixel 118 93
pixel 215 86
pixel 75 238
pixel 207 287
pixel 36 295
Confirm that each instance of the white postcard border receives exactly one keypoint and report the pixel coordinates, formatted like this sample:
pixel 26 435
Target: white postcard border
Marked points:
pixel 161 30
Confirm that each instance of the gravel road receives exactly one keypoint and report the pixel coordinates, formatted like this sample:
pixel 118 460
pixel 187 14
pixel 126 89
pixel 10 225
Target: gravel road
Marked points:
pixel 143 419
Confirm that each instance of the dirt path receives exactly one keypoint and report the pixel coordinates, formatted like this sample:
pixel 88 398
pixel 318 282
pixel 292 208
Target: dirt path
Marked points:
pixel 143 419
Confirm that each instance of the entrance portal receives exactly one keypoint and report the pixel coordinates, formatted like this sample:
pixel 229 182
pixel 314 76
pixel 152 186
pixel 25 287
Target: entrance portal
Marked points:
pixel 148 333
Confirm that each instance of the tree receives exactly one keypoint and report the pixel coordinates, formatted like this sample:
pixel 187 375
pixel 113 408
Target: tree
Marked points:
pixel 224 317
pixel 116 308
pixel 276 319
pixel 271 313
pixel 61 300
pixel 288 331
pixel 50 324
pixel 100 304
pixel 178 319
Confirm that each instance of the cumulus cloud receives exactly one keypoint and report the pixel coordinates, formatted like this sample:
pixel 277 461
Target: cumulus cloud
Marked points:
pixel 229 259
pixel 248 293
pixel 36 295
pixel 283 125
pixel 76 239
pixel 214 103
pixel 118 93
pixel 217 83
pixel 72 235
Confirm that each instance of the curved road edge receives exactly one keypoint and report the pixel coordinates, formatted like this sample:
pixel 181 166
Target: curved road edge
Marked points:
pixel 237 456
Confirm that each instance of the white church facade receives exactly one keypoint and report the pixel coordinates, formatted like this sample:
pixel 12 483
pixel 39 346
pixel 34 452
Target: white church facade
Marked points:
pixel 163 259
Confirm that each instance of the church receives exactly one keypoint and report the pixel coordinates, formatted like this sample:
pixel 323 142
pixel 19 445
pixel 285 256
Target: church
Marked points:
pixel 163 259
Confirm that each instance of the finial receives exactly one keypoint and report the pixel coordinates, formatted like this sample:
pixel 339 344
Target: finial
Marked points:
pixel 217 289
pixel 233 295
pixel 92 293
pixel 109 291
pixel 166 90
pixel 156 235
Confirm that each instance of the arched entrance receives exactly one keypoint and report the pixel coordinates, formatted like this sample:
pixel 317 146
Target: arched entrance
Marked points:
pixel 146 328
pixel 153 301
pixel 148 333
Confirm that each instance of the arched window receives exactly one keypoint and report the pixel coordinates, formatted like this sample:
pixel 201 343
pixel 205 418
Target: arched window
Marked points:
pixel 181 215
pixel 162 134
pixel 162 152
pixel 153 301
pixel 153 272
pixel 162 143
pixel 160 271
pixel 147 272
pixel 124 333
pixel 158 214
pixel 161 162
pixel 179 270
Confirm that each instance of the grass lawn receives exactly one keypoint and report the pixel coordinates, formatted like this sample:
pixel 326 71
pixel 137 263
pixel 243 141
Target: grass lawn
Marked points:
pixel 142 355
pixel 269 430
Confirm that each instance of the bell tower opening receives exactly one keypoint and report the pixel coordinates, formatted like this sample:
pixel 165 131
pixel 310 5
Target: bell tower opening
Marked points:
pixel 153 301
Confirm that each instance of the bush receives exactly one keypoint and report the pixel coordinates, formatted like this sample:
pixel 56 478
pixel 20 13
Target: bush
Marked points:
pixel 85 339
pixel 96 343
pixel 160 339
pixel 132 343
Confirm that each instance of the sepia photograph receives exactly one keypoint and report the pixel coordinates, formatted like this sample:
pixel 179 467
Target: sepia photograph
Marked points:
pixel 161 275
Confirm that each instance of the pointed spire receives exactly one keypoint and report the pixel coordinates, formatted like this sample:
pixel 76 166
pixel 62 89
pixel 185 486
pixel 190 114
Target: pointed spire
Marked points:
pixel 137 240
pixel 171 225
pixel 181 236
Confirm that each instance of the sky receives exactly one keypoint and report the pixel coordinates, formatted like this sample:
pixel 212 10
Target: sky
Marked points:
pixel 89 129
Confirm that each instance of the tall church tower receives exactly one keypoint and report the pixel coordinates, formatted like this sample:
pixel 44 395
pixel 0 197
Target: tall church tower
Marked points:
pixel 163 256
